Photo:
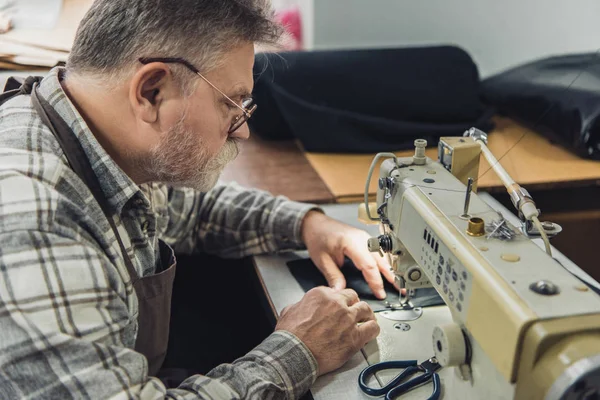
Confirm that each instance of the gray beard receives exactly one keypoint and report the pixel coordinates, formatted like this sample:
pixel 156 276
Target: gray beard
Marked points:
pixel 181 160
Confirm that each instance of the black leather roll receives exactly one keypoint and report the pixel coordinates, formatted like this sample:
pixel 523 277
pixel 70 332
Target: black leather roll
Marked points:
pixel 556 96
pixel 359 101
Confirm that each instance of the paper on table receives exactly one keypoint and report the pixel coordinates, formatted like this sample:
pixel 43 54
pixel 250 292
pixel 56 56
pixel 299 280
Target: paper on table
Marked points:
pixel 9 65
pixel 10 49
pixel 20 54
pixel 33 14
pixel 60 37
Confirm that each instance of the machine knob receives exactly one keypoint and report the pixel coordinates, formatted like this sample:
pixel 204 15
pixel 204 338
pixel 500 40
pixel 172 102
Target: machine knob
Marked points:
pixel 382 242
pixel 414 275
pixel 373 245
pixel 449 345
pixel 386 183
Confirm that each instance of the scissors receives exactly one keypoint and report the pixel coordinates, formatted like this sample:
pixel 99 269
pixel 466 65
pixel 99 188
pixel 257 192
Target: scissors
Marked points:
pixel 395 388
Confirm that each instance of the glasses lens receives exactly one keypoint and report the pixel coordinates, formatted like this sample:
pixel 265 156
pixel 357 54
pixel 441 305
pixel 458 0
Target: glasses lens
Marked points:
pixel 237 122
pixel 246 103
pixel 241 119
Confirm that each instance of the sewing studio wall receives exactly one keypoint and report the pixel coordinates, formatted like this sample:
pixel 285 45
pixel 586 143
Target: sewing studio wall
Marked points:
pixel 498 34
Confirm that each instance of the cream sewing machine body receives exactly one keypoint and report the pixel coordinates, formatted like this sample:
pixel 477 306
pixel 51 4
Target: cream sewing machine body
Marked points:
pixel 518 325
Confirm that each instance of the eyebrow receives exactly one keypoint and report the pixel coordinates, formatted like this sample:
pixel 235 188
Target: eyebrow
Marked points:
pixel 240 92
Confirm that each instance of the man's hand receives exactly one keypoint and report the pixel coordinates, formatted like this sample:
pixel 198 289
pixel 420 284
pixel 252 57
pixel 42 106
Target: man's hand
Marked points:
pixel 327 322
pixel 328 241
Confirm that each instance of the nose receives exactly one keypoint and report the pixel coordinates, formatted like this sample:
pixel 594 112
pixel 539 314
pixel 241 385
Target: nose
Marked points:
pixel 242 133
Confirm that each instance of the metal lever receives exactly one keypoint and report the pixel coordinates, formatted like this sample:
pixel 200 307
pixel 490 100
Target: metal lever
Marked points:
pixel 552 229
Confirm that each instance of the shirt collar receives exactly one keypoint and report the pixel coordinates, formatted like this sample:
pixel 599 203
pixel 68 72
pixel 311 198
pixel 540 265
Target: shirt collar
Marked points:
pixel 118 188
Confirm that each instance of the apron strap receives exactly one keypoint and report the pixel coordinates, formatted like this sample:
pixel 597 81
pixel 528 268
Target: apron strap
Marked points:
pixel 16 86
pixel 79 163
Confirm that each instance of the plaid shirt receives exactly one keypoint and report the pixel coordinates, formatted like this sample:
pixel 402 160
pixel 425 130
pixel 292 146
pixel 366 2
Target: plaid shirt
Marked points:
pixel 68 310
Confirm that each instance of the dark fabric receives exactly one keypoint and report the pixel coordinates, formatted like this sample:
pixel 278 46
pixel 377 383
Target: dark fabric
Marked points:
pixel 367 100
pixel 154 291
pixel 557 96
pixel 218 313
pixel 308 276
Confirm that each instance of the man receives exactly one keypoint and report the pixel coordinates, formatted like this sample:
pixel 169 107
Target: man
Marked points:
pixel 155 92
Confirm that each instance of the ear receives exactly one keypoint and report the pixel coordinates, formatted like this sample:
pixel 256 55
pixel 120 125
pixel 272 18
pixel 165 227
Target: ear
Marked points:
pixel 148 90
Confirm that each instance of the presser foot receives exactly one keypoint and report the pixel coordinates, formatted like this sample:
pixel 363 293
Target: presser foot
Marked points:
pixel 403 310
pixel 398 306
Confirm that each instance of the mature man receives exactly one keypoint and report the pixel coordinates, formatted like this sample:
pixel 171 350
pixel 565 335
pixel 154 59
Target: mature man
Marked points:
pixel 155 92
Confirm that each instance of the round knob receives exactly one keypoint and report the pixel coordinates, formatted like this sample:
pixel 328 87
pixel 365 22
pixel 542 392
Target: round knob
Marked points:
pixel 373 244
pixel 414 275
pixel 422 143
pixel 449 345
pixel 419 157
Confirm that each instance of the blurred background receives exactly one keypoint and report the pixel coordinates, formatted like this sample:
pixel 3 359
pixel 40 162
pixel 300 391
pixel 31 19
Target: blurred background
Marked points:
pixel 356 77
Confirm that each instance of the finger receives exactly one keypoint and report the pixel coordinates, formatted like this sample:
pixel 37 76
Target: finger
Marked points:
pixel 368 266
pixel 349 296
pixel 334 277
pixel 385 268
pixel 362 311
pixel 368 331
pixel 284 311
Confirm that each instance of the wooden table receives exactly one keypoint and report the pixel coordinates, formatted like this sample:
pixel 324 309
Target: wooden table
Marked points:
pixel 279 167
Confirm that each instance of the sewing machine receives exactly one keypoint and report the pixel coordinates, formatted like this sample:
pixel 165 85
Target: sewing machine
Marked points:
pixel 517 324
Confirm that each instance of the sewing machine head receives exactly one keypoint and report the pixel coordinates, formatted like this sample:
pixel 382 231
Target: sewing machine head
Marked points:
pixel 519 318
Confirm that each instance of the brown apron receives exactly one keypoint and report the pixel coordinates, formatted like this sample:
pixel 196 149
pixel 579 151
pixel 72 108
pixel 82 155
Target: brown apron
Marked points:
pixel 154 291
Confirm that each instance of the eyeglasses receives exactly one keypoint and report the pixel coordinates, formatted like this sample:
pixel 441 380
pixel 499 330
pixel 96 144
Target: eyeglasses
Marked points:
pixel 247 106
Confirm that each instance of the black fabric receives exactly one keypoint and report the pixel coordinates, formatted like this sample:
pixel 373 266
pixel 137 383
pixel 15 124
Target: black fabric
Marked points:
pixel 367 100
pixel 218 313
pixel 308 276
pixel 557 96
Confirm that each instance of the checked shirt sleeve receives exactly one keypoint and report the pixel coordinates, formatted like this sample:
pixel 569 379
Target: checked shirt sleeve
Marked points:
pixel 65 322
pixel 231 221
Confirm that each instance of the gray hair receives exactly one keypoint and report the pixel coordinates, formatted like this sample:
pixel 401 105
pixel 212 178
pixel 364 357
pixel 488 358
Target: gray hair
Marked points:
pixel 115 33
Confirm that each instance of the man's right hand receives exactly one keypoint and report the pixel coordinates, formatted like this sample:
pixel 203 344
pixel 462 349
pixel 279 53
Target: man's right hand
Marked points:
pixel 327 322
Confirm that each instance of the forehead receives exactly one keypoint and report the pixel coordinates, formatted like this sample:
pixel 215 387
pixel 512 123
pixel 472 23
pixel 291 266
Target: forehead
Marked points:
pixel 235 70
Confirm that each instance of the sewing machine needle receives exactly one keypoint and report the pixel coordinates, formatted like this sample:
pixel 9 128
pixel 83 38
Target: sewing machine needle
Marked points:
pixel 468 197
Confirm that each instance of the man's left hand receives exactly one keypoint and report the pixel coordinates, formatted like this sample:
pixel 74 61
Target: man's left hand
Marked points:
pixel 328 241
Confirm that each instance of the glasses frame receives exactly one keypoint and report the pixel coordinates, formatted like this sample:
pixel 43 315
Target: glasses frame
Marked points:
pixel 247 108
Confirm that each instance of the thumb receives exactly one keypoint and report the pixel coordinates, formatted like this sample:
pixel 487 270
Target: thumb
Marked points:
pixel 331 272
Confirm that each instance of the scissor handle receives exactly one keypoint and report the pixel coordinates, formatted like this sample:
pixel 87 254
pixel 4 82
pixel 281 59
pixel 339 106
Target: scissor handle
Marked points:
pixel 407 386
pixel 370 370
